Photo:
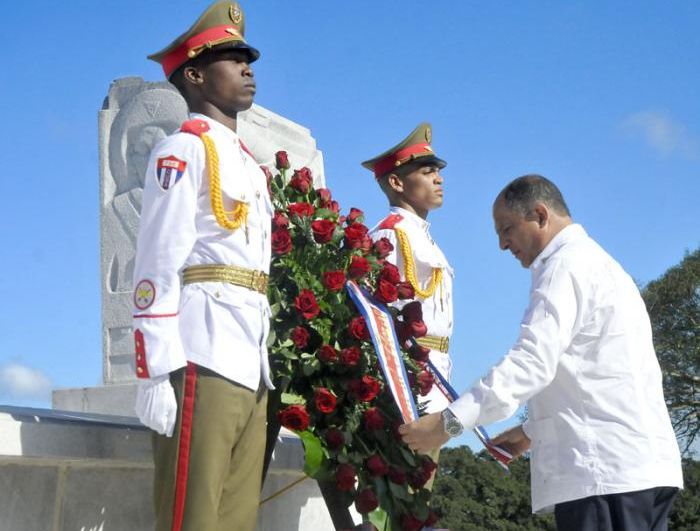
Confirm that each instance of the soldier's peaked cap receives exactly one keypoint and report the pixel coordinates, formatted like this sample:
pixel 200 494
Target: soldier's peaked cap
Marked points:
pixel 221 26
pixel 415 147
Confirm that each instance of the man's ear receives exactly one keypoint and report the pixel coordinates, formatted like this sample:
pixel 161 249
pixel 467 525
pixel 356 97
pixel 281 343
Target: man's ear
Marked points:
pixel 193 75
pixel 541 214
pixel 395 183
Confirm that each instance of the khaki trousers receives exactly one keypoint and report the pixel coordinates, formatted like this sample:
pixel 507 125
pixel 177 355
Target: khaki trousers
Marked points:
pixel 208 474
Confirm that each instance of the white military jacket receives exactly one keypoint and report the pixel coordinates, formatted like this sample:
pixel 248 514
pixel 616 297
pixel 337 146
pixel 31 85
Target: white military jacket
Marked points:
pixel 585 364
pixel 216 325
pixel 437 309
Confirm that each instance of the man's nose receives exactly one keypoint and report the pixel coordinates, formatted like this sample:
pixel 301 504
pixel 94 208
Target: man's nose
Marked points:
pixel 502 243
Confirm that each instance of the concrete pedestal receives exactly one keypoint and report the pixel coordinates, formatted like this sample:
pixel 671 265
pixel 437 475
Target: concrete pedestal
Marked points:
pixel 63 471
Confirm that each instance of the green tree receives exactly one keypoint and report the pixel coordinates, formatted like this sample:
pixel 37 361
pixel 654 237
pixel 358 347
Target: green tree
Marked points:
pixel 685 515
pixel 473 493
pixel 673 302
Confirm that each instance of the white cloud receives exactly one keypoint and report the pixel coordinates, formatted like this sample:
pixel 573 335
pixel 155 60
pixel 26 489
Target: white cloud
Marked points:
pixel 20 381
pixel 661 132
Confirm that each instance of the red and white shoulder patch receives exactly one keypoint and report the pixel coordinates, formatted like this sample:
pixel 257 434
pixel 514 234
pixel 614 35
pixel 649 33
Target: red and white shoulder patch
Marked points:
pixel 144 294
pixel 169 170
pixel 390 221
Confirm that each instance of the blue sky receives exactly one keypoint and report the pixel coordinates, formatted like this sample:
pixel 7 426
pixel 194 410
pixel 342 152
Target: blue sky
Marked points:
pixel 601 97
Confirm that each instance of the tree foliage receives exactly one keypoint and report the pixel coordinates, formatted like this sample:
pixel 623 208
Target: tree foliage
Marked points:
pixel 673 302
pixel 472 493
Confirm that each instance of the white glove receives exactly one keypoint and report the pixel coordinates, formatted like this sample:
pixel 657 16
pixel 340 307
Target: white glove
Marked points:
pixel 156 406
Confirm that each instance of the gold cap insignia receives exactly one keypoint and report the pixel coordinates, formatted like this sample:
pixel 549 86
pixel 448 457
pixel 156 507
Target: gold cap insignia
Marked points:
pixel 428 135
pixel 234 14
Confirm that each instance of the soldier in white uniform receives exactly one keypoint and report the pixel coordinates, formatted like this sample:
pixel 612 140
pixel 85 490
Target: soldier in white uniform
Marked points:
pixel 201 313
pixel 409 175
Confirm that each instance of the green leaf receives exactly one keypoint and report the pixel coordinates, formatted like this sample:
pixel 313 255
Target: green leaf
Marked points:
pixel 380 519
pixel 291 398
pixel 313 453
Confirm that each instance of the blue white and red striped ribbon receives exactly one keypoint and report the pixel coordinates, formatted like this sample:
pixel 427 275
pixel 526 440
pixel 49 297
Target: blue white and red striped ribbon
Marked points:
pixel 381 329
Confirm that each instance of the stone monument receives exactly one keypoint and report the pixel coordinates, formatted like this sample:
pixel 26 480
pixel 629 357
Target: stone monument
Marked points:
pixel 137 114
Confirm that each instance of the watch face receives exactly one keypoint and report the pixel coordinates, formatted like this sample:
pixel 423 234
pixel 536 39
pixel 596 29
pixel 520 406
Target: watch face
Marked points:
pixel 453 427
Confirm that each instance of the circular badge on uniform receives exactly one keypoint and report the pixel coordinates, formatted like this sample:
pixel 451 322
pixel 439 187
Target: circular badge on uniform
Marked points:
pixel 144 294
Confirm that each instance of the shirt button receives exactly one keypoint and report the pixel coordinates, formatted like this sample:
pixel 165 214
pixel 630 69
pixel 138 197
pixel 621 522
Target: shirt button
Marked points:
pixel 217 294
pixel 257 194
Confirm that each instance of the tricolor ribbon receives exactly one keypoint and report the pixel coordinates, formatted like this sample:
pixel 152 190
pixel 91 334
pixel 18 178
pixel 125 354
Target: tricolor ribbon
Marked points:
pixel 380 324
pixel 502 456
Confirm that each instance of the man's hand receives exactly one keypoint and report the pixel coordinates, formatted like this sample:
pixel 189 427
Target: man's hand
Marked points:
pixel 156 406
pixel 514 441
pixel 424 434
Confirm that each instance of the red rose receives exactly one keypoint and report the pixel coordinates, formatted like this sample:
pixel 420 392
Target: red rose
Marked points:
pixel 345 477
pixel 418 328
pixel 325 400
pixel 377 466
pixel 366 501
pixel 397 476
pixel 365 389
pixel 281 241
pixel 358 328
pixel 355 215
pixel 354 235
pixel 301 180
pixel 280 221
pixel 428 465
pixel 405 290
pixel 418 478
pixel 301 209
pixel 300 336
pixel 281 160
pixel 335 439
pixel 306 304
pixel 373 419
pixel 323 230
pixel 327 353
pixel 419 352
pixel 413 311
pixel 324 194
pixel 411 523
pixel 333 206
pixel 294 417
pixel 359 266
pixel 383 247
pixel 425 382
pixel 390 273
pixel 386 292
pixel 350 356
pixel 365 244
pixel 333 280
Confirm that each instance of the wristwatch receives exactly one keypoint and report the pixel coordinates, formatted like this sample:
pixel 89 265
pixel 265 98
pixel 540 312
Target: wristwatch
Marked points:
pixel 451 424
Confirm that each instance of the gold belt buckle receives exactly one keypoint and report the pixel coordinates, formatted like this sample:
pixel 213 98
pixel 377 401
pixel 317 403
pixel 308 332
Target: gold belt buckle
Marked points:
pixel 259 281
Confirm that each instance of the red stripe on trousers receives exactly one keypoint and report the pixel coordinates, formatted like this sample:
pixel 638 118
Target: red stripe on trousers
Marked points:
pixel 183 455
